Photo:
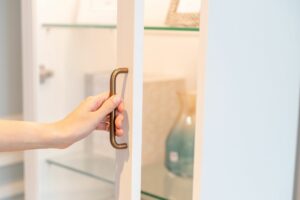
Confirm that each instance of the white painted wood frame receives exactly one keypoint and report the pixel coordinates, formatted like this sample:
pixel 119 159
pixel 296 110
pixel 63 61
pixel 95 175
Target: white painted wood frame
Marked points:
pixel 130 31
pixel 200 99
pixel 30 83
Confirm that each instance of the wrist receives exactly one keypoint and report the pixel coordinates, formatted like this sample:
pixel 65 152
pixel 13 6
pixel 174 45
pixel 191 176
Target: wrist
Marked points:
pixel 58 135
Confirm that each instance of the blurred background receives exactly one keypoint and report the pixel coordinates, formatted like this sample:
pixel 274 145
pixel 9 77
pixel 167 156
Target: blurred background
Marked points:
pixel 11 164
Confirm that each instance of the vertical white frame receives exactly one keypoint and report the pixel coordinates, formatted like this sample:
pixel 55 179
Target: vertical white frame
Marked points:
pixel 130 33
pixel 30 83
pixel 200 99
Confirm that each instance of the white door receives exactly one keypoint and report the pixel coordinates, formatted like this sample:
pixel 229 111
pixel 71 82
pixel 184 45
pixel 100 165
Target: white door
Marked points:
pixel 251 99
pixel 66 58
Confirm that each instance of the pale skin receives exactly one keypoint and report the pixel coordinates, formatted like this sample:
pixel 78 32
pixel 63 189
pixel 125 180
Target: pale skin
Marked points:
pixel 92 114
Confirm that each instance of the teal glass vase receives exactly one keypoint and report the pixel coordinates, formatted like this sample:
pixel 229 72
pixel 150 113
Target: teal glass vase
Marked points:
pixel 179 156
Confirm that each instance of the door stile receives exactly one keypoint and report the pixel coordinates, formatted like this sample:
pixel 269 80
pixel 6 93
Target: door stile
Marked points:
pixel 30 85
pixel 200 99
pixel 130 54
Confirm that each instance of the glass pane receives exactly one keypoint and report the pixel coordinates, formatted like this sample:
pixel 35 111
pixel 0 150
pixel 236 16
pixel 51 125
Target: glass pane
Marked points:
pixel 159 183
pixel 170 71
pixel 91 166
pixel 74 64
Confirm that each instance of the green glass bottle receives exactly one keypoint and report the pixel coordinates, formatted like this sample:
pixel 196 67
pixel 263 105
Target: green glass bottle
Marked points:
pixel 179 157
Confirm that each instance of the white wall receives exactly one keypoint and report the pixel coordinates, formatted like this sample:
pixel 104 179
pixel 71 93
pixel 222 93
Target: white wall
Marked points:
pixel 169 53
pixel 252 82
pixel 156 11
pixel 10 58
pixel 172 54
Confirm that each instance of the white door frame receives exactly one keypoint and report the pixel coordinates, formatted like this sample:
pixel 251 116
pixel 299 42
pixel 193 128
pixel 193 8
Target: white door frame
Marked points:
pixel 130 33
pixel 200 97
pixel 30 80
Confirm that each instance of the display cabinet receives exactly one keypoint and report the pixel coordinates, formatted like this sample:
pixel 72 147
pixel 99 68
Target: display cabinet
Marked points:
pixel 69 58
pixel 188 100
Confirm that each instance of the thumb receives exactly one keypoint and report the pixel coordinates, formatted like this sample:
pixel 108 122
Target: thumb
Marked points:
pixel 109 105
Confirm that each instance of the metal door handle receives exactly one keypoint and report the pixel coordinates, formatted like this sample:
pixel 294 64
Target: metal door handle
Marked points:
pixel 45 74
pixel 112 128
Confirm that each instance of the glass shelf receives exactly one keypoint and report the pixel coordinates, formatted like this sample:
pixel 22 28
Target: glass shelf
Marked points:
pixel 157 182
pixel 87 164
pixel 102 26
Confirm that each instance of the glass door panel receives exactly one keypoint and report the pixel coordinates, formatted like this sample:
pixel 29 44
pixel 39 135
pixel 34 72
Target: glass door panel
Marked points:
pixel 170 74
pixel 78 63
pixel 169 106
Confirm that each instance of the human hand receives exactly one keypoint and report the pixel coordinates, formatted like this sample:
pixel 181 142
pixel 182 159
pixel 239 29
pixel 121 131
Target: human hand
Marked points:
pixel 92 114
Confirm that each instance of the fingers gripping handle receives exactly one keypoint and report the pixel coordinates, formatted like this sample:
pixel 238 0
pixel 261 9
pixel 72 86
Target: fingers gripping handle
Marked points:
pixel 112 128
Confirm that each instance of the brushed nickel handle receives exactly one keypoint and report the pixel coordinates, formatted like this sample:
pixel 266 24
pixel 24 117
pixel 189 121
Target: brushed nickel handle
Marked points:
pixel 112 128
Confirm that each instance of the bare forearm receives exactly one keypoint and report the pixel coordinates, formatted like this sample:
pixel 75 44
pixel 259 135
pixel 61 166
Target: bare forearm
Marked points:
pixel 90 115
pixel 19 135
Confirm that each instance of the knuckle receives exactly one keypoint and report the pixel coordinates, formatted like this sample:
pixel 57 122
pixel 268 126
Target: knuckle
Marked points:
pixel 112 102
